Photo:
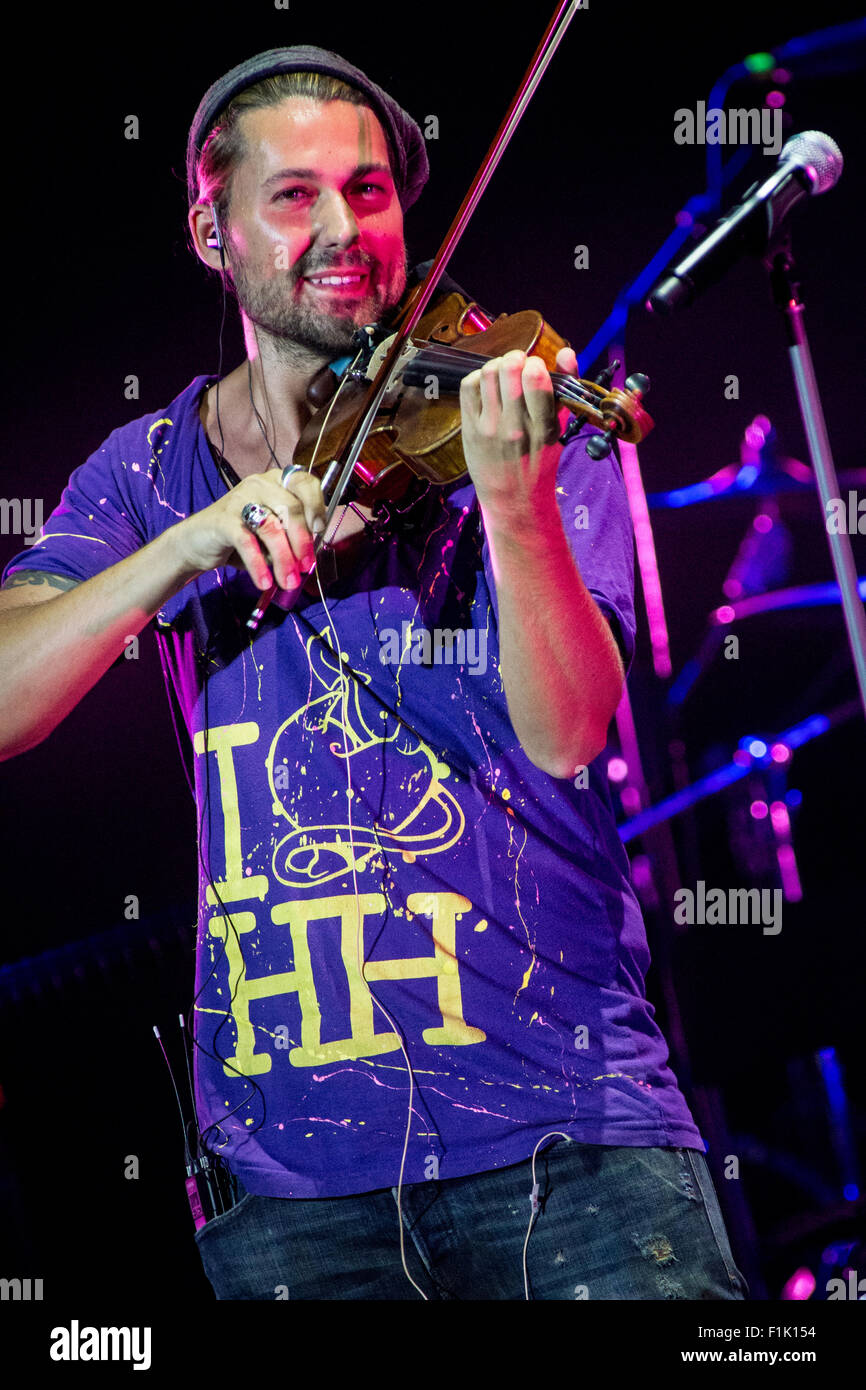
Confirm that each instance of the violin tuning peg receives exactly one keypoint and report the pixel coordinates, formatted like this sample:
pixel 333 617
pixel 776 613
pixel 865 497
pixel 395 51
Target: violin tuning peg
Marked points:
pixel 638 383
pixel 598 447
pixel 573 427
pixel 607 374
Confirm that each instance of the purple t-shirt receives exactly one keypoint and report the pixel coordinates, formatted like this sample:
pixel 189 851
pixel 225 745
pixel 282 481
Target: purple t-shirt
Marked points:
pixel 499 929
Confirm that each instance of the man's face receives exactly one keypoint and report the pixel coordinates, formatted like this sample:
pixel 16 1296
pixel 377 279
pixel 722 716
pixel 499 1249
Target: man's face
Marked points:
pixel 315 239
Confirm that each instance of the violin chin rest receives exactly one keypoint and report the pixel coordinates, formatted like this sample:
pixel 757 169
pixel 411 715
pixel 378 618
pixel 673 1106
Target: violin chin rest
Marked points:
pixel 322 387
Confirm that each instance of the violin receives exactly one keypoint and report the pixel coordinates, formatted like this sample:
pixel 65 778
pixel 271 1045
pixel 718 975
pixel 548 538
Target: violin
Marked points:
pixel 416 430
pixel 395 416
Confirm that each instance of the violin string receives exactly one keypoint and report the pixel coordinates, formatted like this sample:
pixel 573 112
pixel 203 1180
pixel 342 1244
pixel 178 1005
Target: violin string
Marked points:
pixel 454 357
pixel 470 361
pixel 345 378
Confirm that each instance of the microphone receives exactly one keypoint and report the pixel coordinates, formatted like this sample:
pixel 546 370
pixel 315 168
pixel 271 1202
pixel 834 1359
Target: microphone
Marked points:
pixel 808 164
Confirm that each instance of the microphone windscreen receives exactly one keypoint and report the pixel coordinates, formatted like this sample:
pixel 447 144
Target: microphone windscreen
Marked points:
pixel 816 151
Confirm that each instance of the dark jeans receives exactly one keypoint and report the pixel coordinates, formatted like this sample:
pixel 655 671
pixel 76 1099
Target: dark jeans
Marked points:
pixel 614 1223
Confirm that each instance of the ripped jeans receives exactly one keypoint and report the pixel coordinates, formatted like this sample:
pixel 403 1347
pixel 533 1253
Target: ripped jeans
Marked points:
pixel 613 1223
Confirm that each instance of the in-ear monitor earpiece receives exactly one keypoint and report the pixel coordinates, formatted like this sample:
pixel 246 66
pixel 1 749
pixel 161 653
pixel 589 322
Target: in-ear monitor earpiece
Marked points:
pixel 216 240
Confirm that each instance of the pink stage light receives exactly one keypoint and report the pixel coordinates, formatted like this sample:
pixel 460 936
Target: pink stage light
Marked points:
pixel 630 798
pixel 647 562
pixel 800 1286
pixel 789 874
pixel 780 818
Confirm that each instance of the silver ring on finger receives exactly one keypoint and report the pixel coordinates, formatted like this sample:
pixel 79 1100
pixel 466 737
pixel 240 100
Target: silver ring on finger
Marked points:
pixel 254 515
pixel 289 472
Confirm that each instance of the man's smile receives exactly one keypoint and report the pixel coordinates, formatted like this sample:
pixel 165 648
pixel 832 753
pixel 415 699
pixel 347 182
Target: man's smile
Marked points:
pixel 340 282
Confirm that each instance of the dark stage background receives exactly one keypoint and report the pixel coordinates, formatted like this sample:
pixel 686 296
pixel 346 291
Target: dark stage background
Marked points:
pixel 100 283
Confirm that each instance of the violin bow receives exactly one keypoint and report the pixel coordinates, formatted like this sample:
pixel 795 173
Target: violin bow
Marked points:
pixel 350 451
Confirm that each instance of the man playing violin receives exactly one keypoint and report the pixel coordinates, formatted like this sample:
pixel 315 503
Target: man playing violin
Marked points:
pixel 432 841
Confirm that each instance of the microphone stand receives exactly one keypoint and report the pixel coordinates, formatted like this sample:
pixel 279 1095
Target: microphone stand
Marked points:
pixel 785 286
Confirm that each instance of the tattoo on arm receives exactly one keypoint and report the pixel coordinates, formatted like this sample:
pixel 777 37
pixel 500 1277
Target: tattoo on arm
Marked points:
pixel 53 581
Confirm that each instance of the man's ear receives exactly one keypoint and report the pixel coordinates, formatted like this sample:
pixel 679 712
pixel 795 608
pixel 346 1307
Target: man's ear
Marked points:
pixel 206 234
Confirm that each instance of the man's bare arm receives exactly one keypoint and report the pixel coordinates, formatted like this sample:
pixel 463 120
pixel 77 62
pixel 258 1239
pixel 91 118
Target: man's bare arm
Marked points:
pixel 561 668
pixel 58 637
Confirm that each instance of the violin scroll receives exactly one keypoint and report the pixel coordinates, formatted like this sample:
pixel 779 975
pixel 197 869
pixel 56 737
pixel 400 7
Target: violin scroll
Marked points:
pixel 621 413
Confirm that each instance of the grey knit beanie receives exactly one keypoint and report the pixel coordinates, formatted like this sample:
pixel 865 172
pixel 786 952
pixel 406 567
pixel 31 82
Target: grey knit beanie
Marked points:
pixel 408 148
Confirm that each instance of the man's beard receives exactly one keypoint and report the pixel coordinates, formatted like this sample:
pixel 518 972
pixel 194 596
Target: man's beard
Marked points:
pixel 299 330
